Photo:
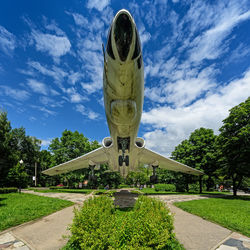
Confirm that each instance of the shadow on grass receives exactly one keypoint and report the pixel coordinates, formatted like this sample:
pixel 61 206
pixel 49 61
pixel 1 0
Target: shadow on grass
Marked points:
pixel 2 199
pixel 227 197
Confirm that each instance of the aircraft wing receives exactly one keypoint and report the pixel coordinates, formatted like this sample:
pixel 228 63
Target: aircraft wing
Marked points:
pixel 94 157
pixel 147 156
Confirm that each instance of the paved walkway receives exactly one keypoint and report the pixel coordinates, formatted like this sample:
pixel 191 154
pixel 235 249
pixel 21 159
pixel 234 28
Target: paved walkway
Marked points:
pixel 192 231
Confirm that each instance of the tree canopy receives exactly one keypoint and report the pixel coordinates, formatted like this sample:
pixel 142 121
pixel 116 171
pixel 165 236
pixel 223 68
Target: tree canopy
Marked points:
pixel 198 152
pixel 234 143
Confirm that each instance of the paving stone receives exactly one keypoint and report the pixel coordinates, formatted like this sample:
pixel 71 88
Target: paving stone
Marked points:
pixel 22 248
pixel 224 247
pixel 7 237
pixel 18 244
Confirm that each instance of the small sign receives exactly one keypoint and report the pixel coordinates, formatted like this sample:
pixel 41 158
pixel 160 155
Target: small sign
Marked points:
pixel 34 178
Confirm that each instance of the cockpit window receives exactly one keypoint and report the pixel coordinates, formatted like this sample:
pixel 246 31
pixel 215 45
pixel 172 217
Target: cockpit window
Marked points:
pixel 123 35
pixel 109 45
pixel 137 45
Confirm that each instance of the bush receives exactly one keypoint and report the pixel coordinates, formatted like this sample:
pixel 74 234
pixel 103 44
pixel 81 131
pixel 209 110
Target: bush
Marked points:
pixel 57 187
pixel 99 225
pixel 123 186
pixel 194 187
pixel 8 190
pixel 165 187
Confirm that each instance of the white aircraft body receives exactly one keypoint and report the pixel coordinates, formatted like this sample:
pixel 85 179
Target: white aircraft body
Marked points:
pixel 123 89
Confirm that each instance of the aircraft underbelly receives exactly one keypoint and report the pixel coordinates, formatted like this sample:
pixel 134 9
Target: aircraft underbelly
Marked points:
pixel 123 112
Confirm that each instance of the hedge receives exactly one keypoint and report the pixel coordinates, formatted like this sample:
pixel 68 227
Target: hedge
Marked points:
pixel 8 190
pixel 165 187
pixel 100 225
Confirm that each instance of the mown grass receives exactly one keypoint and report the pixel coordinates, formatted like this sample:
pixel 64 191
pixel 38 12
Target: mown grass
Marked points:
pixel 61 190
pixel 232 213
pixel 149 191
pixel 18 208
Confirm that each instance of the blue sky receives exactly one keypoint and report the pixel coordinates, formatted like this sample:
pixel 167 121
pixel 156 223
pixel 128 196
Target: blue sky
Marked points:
pixel 196 61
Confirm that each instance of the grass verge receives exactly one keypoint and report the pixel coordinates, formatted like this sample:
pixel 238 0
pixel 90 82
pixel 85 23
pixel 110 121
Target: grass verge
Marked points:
pixel 18 208
pixel 232 213
pixel 149 191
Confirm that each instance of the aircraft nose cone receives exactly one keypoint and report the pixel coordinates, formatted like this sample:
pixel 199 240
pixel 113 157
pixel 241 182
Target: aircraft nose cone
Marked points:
pixel 123 34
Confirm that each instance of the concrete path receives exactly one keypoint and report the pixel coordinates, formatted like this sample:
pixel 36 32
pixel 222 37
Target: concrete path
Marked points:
pixel 192 231
pixel 46 233
pixel 196 233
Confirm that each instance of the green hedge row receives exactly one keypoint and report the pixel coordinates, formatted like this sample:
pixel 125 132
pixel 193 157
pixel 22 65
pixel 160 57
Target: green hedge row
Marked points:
pixel 100 225
pixel 8 190
pixel 165 187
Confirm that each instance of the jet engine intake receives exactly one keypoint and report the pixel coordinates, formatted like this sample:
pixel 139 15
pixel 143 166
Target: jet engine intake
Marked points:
pixel 139 142
pixel 107 142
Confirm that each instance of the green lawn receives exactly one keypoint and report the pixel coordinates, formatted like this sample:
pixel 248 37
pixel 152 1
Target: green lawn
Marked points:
pixel 230 212
pixel 18 208
pixel 149 191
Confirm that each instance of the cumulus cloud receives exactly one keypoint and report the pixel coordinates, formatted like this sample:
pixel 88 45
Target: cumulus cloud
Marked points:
pixel 172 125
pixel 7 41
pixel 55 46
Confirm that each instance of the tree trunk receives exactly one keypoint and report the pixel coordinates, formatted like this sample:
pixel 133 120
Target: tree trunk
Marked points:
pixel 234 187
pixel 200 182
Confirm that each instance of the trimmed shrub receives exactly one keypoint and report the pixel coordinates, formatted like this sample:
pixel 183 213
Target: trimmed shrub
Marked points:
pixel 57 187
pixel 123 186
pixel 99 225
pixel 194 187
pixel 165 187
pixel 8 190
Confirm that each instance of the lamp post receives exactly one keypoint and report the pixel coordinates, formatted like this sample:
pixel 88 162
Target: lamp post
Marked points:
pixel 19 188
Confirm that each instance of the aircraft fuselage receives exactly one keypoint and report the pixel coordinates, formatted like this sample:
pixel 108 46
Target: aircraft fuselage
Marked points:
pixel 123 86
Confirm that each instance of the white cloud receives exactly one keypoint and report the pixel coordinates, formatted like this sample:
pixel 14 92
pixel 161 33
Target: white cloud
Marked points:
pixel 55 72
pixel 46 142
pixel 74 77
pixel 37 87
pixel 209 44
pixel 45 111
pixel 144 35
pixel 170 125
pixel 17 94
pixel 74 96
pixel 7 41
pixel 183 86
pixel 87 112
pixel 49 102
pixel 97 4
pixel 56 46
pixel 80 19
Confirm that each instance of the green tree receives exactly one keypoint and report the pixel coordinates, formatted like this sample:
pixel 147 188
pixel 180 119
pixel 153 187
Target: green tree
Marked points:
pixel 24 148
pixel 17 176
pixel 45 161
pixel 199 152
pixel 5 149
pixel 69 146
pixel 234 142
